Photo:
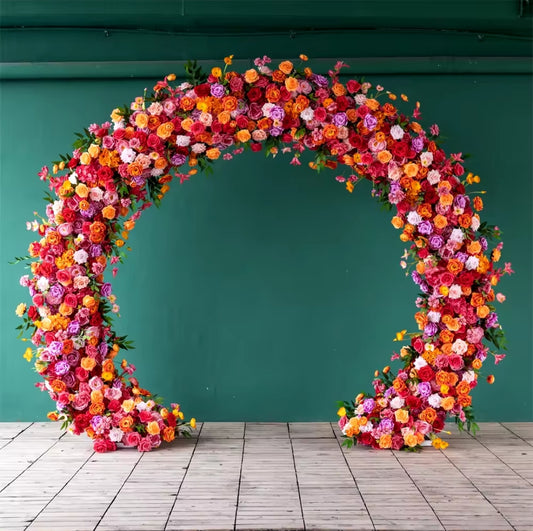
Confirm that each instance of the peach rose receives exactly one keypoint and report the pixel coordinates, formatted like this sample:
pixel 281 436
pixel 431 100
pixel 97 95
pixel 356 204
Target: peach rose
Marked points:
pixel 286 67
pixel 108 212
pixel 401 415
pixel 250 76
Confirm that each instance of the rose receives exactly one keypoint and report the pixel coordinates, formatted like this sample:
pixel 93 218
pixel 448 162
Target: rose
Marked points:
pixel 100 446
pixel 426 373
pixel 144 445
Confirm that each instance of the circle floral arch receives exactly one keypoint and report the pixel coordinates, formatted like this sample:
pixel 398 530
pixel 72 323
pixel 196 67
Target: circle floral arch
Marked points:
pixel 120 168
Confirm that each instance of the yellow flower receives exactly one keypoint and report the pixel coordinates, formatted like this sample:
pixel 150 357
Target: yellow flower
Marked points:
pixel 439 444
pixel 216 72
pixel 400 335
pixel 28 354
pixel 193 420
pixel 341 412
pixel 21 309
pixel 171 77
pixel 153 428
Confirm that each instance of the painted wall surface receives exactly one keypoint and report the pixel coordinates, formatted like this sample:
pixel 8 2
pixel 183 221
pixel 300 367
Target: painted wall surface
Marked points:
pixel 267 292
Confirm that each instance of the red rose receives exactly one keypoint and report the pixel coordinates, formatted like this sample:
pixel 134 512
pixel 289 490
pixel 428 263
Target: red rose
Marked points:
pixel 365 438
pixel 342 103
pixel 100 446
pixel 397 442
pixel 353 86
pixel 413 402
pixel 255 94
pixel 446 278
pixel 255 146
pixel 438 424
pixel 114 405
pixel 33 313
pixel 242 121
pixel 202 90
pixel 426 373
pixel 423 253
pixel 400 150
pixel 362 111
pixel 119 133
pixel 72 163
pixel 458 170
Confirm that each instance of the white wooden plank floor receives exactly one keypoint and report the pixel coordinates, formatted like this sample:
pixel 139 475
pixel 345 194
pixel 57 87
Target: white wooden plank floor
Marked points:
pixel 238 476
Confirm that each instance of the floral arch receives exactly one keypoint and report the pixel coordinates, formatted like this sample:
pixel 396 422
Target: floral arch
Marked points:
pixel 120 168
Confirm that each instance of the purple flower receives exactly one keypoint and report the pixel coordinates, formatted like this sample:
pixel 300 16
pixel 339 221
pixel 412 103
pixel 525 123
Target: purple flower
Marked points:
pixel 73 358
pixel 386 425
pixel 483 242
pixel 460 201
pixel 424 288
pixel 217 90
pixel 319 80
pixel 55 348
pixel 103 348
pixel 425 227
pixel 106 289
pixel 368 405
pixel 424 388
pixel 418 144
pixel 430 329
pixel 462 257
pixel 436 241
pixel 73 328
pixel 178 159
pixel 69 379
pixel 492 320
pixel 389 392
pixel 415 275
pixel 370 121
pixel 61 367
pixel 340 119
pixel 276 131
pixel 277 113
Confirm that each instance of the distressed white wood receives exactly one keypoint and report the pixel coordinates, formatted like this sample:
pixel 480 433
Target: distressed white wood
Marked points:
pixel 265 476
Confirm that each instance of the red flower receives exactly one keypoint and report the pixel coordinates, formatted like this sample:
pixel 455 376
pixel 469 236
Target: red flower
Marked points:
pixel 426 373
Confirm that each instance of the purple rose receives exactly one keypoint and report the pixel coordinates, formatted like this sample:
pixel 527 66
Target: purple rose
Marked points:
pixel 277 113
pixel 73 328
pixel 276 131
pixel 62 367
pixel 55 294
pixel 370 121
pixel 415 275
pixel 340 119
pixel 103 348
pixel 255 112
pixel 55 348
pixel 418 144
pixel 217 90
pixel 424 288
pixel 389 392
pixel 73 358
pixel 95 250
pixel 460 201
pixel 69 379
pixel 106 289
pixel 178 159
pixel 424 388
pixel 436 241
pixel 425 227
pixel 492 320
pixel 368 405
pixel 319 80
pixel 483 242
pixel 430 329
pixel 386 425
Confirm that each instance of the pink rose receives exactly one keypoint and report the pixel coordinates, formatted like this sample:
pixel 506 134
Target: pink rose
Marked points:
pixel 343 421
pixel 456 362
pixel 65 229
pixel 131 439
pixel 81 401
pixel 71 300
pixel 145 444
pixel 100 446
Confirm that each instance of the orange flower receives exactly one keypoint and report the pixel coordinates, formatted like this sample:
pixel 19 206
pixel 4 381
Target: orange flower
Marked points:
pixel 291 84
pixel 126 424
pixel 339 89
pixel 401 415
pixel 455 266
pixel 428 415
pixel 88 363
pixel 446 199
pixel 141 120
pixel 410 169
pixel 465 220
pixel 425 210
pixel 464 400
pixel 286 67
pixel 216 72
pixel 477 364
pixel 278 76
pixel 250 76
pixel 477 300
pixel 58 386
pixel 213 153
pixel 474 247
pixel 483 311
pixel 108 212
pixel 447 403
pixel 243 135
pixel 478 203
pixel 165 130
pixel 330 131
pixel 153 428
pixel 97 396
pixel 397 222
pixel 229 103
pixel 410 439
pixel 168 434
pixel 384 156
pixel 385 441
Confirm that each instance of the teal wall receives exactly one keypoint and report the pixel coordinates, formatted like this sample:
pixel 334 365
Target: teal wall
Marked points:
pixel 267 292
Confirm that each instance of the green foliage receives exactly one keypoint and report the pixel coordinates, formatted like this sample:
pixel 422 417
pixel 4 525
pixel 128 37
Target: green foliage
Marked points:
pixel 194 74
pixel 497 337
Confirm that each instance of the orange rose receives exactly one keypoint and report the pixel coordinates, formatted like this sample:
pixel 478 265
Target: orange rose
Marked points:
pixel 286 67
pixel 384 156
pixel 108 212
pixel 478 203
pixel 401 415
pixel 330 131
pixel 213 153
pixel 58 386
pixel 410 439
pixel 339 89
pixel 477 364
pixel 141 120
pixel 455 266
pixel 165 130
pixel 446 199
pixel 447 403
pixel 250 76
pixel 410 169
pixel 88 363
pixel 291 84
pixel 440 221
pixel 428 415
pixel 464 400
pixel 372 104
pixel 474 247
pixel 425 210
pixel 483 311
pixel 477 300
pixel 243 135
pixel 465 220
pixel 463 388
pixel 385 441
pixel 397 222
pixel 153 428
pixel 126 424
pixel 168 434
pixel 96 409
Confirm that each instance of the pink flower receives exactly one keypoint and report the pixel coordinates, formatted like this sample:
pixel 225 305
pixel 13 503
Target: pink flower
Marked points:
pixel 500 297
pixel 131 439
pixel 43 174
pixel 498 358
pixel 145 444
pixel 100 446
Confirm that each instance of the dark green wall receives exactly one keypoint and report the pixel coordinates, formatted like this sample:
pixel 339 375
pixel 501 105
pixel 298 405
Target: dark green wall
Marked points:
pixel 267 292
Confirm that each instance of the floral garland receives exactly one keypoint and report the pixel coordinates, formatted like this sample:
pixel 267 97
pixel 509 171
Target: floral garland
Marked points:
pixel 119 169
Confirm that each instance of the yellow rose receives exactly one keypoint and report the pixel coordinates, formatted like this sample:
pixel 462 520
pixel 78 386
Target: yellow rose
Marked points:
pixel 153 428
pixel 21 309
pixel 85 158
pixel 94 151
pixel 410 439
pixel 82 190
pixel 401 415
pixel 141 120
pixel 128 405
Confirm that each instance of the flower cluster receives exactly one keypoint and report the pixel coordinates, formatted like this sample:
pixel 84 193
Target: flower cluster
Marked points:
pixel 119 168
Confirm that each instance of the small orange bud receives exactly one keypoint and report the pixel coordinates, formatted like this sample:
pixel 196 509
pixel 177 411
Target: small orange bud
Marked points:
pixel 490 379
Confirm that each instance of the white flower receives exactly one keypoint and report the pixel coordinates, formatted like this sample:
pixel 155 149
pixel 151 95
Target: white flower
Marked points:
pixel 360 99
pixel 115 434
pixel 127 155
pixel 414 218
pixel 119 125
pixel 420 362
pixel 266 108
pixel 141 406
pixel 73 178
pixel 96 194
pixel 396 132
pixel 434 400
pixel 366 428
pixel 80 256
pixel 307 114
pixel 397 402
pixel 434 317
pixel 457 236
pixel 57 207
pixel 155 172
pixel 78 342
pixel 43 284
pixel 433 177
pixel 183 140
pixel 156 108
pixel 459 346
pixel 426 159
pixel 199 147
pixel 454 292
pixel 469 376
pixel 475 222
pixel 472 263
